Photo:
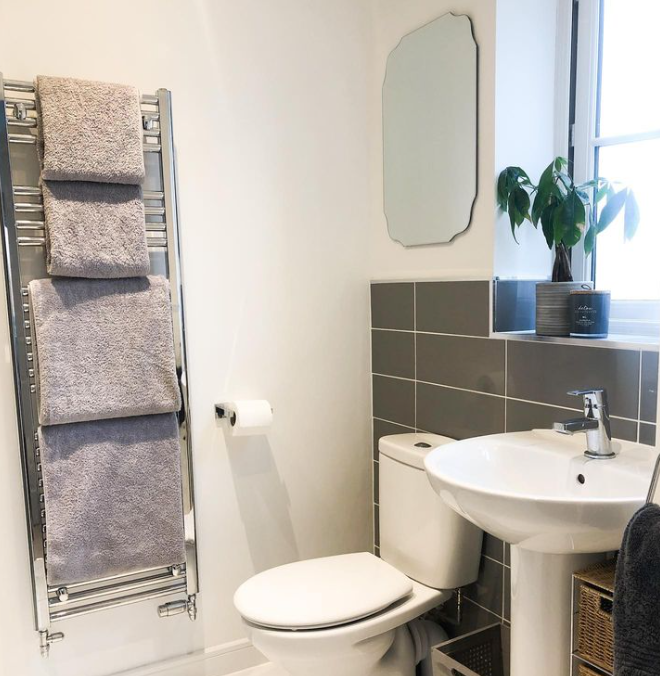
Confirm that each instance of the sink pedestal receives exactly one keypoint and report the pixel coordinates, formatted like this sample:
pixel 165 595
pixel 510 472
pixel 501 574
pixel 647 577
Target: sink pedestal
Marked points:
pixel 541 589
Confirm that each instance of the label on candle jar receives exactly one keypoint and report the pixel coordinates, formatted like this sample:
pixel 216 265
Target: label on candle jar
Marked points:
pixel 590 314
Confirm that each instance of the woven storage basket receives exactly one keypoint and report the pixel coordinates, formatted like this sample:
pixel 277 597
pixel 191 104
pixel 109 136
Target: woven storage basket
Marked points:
pixel 585 671
pixel 595 634
pixel 476 654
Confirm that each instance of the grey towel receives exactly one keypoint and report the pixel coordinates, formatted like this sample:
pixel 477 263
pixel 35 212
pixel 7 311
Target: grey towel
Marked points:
pixel 112 496
pixel 104 348
pixel 94 230
pixel 636 611
pixel 90 131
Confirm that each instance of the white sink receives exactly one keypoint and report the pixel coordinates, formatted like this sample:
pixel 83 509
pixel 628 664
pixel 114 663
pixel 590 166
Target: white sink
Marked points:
pixel 558 509
pixel 537 489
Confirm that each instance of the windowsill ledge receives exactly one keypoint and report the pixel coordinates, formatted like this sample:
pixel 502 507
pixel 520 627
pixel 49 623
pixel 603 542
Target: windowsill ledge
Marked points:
pixel 651 343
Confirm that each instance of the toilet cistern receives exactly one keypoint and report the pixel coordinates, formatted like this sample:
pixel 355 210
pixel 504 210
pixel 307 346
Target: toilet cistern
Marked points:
pixel 595 423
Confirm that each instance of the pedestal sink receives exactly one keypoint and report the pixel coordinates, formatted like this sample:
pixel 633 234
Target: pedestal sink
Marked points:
pixel 557 508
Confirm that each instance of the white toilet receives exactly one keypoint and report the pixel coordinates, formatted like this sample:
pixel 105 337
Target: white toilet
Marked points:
pixel 355 614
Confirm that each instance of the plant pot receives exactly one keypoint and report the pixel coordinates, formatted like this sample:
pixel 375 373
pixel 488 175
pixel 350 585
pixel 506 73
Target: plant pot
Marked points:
pixel 553 314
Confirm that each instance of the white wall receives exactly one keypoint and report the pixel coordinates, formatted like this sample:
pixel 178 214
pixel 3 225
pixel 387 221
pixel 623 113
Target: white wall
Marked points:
pixel 271 128
pixel 527 132
pixel 470 255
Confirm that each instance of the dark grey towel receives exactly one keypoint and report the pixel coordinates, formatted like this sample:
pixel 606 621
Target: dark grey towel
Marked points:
pixel 94 230
pixel 90 131
pixel 104 348
pixel 636 611
pixel 112 496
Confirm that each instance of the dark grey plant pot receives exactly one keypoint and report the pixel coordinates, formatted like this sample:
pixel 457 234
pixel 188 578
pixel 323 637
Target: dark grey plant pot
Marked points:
pixel 553 315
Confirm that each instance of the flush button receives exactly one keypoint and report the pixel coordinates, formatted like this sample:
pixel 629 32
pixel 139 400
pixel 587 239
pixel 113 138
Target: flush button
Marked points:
pixel 422 444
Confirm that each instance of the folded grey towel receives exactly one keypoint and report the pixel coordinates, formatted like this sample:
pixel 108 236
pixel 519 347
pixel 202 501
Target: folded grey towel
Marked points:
pixel 94 230
pixel 112 496
pixel 90 131
pixel 636 611
pixel 104 348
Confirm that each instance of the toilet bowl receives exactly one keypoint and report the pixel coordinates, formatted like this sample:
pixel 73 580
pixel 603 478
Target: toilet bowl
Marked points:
pixel 355 614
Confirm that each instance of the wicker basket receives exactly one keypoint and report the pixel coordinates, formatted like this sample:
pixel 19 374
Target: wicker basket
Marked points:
pixel 584 670
pixel 595 632
pixel 476 654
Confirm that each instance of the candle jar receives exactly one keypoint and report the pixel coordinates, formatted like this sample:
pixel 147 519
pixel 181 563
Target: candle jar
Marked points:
pixel 590 313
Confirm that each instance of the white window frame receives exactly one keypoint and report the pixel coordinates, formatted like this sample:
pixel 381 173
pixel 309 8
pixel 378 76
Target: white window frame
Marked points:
pixel 632 317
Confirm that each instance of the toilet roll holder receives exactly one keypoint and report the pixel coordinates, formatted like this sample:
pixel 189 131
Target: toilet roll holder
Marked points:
pixel 224 412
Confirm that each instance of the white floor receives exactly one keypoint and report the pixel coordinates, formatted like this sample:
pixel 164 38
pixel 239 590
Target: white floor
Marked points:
pixel 262 670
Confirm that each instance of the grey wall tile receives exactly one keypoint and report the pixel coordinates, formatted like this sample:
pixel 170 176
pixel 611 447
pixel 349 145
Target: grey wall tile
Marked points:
pixel 493 547
pixel 649 386
pixel 488 590
pixel 472 617
pixel 524 415
pixel 506 595
pixel 454 307
pixel 393 305
pixel 376 467
pixel 470 363
pixel 393 353
pixel 383 429
pixel 456 413
pixel 394 400
pixel 376 526
pixel 647 434
pixel 544 372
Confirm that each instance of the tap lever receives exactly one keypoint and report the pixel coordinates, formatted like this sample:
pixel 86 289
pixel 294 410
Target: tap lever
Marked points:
pixel 596 422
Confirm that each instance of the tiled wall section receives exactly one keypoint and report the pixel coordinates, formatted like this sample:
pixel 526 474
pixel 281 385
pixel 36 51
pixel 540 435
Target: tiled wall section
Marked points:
pixel 436 370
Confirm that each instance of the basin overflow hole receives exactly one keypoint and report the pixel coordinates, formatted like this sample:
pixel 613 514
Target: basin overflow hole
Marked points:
pixel 580 478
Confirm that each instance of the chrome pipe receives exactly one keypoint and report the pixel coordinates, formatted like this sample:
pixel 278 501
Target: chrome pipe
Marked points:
pixel 30 139
pixel 121 587
pixel 28 207
pixel 28 103
pixel 28 88
pixel 152 242
pixel 116 603
pixel 35 191
pixel 30 123
pixel 19 86
pixel 39 226
pixel 127 577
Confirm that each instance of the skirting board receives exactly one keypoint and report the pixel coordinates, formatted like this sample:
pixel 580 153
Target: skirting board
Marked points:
pixel 217 661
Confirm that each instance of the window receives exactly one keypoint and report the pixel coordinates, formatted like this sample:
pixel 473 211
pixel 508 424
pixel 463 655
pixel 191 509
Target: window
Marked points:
pixel 616 134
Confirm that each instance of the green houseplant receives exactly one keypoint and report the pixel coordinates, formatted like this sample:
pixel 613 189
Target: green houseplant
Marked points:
pixel 566 213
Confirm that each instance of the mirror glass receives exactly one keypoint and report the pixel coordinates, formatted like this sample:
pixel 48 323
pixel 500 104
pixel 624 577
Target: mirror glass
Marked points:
pixel 430 132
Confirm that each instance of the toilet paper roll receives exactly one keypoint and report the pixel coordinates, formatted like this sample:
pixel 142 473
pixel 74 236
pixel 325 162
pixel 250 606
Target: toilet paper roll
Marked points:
pixel 249 416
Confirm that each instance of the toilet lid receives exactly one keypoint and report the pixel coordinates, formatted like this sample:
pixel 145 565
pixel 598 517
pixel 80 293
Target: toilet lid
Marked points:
pixel 321 592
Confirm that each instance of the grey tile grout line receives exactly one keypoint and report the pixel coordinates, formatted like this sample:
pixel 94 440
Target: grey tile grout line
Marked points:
pixel 492 394
pixel 422 431
pixel 506 384
pixel 639 395
pixel 415 347
pixel 490 558
pixel 490 612
pixel 628 347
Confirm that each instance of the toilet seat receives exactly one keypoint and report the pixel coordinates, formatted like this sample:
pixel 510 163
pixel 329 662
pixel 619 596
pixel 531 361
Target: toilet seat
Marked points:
pixel 321 593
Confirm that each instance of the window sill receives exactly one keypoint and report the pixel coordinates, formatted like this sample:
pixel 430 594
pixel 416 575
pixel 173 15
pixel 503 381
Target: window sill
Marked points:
pixel 650 343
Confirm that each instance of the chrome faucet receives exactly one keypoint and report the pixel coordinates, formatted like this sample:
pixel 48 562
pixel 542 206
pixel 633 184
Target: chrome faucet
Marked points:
pixel 596 423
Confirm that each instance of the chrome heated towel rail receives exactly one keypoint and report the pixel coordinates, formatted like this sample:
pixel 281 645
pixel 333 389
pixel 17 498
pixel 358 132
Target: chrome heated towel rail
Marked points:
pixel 21 216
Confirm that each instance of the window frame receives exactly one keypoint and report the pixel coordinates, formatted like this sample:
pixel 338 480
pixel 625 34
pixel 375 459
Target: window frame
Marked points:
pixel 628 317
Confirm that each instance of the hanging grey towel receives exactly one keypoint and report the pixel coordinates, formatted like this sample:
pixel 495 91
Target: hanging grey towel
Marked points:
pixel 90 131
pixel 636 611
pixel 94 230
pixel 112 496
pixel 104 348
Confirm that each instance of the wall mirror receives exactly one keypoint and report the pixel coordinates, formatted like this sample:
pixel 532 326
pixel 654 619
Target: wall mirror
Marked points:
pixel 430 132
